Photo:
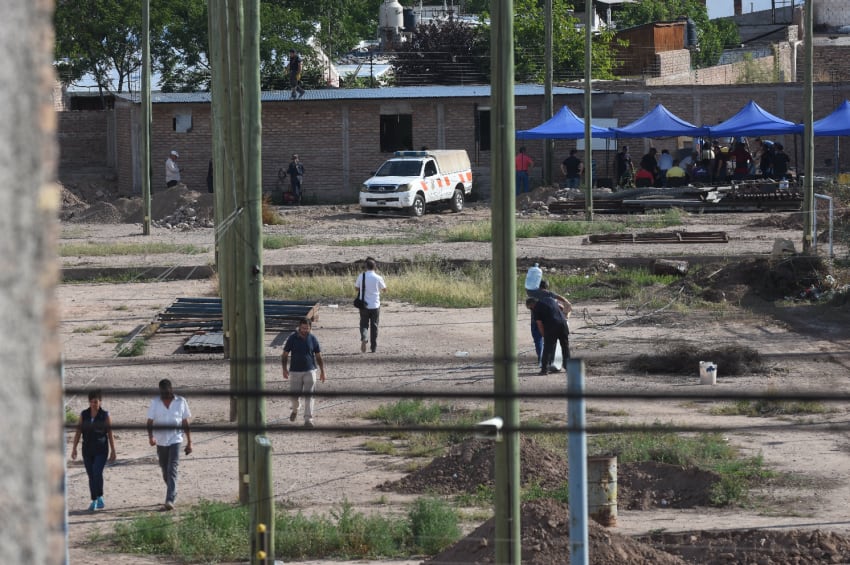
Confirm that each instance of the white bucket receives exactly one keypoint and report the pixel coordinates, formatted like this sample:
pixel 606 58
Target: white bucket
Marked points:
pixel 707 373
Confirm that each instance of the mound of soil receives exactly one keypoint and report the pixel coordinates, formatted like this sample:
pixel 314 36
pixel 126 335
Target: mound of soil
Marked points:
pixel 545 527
pixel 647 485
pixel 470 464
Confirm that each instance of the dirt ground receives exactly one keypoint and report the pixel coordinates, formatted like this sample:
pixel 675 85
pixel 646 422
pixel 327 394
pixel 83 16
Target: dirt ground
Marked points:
pixel 800 517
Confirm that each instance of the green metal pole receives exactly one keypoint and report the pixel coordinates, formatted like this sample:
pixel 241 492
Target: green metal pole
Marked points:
pixel 251 257
pixel 263 494
pixel 548 143
pixel 588 114
pixel 503 171
pixel 146 117
pixel 808 135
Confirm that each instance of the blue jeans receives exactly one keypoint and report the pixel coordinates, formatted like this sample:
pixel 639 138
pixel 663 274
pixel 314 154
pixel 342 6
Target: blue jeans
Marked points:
pixel 537 338
pixel 521 181
pixel 369 319
pixel 169 459
pixel 573 182
pixel 94 469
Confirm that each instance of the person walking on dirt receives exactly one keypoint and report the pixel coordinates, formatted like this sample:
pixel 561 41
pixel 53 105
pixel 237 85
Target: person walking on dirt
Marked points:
pixel 306 355
pixel 373 285
pixel 172 171
pixel 295 172
pixel 295 66
pixel 168 421
pixel 95 427
pixel 523 164
pixel 552 323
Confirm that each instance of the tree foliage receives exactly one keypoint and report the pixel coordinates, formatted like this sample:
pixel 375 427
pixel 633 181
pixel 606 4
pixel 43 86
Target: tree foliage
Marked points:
pixel 445 52
pixel 713 35
pixel 102 38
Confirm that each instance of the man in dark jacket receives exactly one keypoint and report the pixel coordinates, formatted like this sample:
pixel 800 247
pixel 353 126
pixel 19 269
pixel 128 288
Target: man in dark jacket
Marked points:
pixel 552 324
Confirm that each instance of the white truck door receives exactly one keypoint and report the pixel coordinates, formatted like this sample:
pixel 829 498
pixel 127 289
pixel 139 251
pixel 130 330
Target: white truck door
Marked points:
pixel 433 182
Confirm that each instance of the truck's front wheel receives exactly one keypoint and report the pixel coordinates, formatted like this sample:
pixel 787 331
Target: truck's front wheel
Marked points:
pixel 457 201
pixel 418 207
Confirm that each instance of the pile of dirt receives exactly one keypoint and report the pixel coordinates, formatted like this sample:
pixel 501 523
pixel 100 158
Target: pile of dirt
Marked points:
pixel 173 208
pixel 647 485
pixel 681 358
pixel 470 464
pixel 545 526
pixel 641 486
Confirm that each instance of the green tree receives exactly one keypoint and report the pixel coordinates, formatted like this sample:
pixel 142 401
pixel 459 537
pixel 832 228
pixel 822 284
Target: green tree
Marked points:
pixel 568 42
pixel 100 38
pixel 446 52
pixel 713 35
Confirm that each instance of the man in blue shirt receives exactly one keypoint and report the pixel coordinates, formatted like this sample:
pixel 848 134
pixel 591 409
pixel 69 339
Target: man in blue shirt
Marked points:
pixel 306 354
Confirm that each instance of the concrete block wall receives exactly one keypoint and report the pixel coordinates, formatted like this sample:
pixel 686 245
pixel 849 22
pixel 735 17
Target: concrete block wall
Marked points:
pixel 831 63
pixel 673 62
pixel 82 138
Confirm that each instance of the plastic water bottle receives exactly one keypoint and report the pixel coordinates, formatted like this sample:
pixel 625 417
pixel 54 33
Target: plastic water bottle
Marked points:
pixel 533 278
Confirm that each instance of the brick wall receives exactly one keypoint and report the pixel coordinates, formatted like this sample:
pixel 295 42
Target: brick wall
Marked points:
pixel 82 138
pixel 673 62
pixel 831 63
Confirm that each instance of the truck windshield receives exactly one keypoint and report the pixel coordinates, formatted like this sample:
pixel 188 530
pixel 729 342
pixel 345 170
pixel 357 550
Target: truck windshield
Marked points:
pixel 400 169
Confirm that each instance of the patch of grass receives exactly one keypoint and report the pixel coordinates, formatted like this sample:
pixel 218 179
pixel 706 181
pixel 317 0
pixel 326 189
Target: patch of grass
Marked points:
pixel 119 277
pixel 601 285
pixel 92 249
pixel 380 447
pixel 375 241
pixel 683 359
pixel 134 348
pixel 117 336
pixel 269 214
pixel 278 241
pixel 484 495
pixel 122 308
pixel 766 407
pixel 71 417
pixel 89 329
pixel 212 532
pixel 536 492
pixel 420 413
pixel 433 284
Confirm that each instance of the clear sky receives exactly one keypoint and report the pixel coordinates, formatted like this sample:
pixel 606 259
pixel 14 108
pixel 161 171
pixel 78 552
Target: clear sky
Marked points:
pixel 723 8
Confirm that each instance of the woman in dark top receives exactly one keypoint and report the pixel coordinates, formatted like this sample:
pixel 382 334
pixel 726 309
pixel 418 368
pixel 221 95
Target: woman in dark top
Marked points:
pixel 95 427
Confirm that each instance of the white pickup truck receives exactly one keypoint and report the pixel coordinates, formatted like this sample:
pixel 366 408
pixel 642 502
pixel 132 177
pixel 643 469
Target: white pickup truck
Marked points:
pixel 410 180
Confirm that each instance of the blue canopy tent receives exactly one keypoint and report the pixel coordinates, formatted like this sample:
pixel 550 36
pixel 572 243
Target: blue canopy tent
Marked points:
pixel 752 119
pixel 563 125
pixel 659 122
pixel 835 124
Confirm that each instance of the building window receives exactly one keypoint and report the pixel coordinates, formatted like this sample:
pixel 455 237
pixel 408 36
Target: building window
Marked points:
pixel 396 132
pixel 482 129
pixel 182 122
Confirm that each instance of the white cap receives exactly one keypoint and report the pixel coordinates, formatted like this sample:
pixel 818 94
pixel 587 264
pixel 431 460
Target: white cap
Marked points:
pixel 173 152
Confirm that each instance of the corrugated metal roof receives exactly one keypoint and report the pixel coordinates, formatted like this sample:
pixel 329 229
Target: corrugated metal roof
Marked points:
pixel 389 93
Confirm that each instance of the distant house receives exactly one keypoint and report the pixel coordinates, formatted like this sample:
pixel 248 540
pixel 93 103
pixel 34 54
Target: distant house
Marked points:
pixel 650 47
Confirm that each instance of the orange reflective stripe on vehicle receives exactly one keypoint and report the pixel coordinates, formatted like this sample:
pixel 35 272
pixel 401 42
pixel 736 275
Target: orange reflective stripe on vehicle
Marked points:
pixel 424 185
pixel 448 182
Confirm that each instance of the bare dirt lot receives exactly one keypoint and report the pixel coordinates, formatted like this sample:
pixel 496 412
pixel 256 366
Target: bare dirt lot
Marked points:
pixel 801 517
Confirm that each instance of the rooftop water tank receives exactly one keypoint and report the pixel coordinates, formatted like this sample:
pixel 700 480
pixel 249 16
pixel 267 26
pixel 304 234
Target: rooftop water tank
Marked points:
pixel 691 38
pixel 411 19
pixel 392 14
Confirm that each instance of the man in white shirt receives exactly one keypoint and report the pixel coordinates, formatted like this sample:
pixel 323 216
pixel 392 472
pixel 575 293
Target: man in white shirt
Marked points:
pixel 172 171
pixel 168 420
pixel 373 284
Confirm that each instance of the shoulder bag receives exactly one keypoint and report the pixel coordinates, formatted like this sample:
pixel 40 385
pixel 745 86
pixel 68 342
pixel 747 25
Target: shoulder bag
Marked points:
pixel 360 299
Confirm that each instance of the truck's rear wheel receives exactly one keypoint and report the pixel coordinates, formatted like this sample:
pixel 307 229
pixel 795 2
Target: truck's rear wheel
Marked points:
pixel 418 207
pixel 457 201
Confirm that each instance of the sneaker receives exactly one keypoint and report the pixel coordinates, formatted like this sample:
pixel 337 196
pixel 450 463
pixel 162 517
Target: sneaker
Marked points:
pixel 362 347
pixel 93 506
pixel 308 424
pixel 168 505
pixel 293 415
pixel 99 503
